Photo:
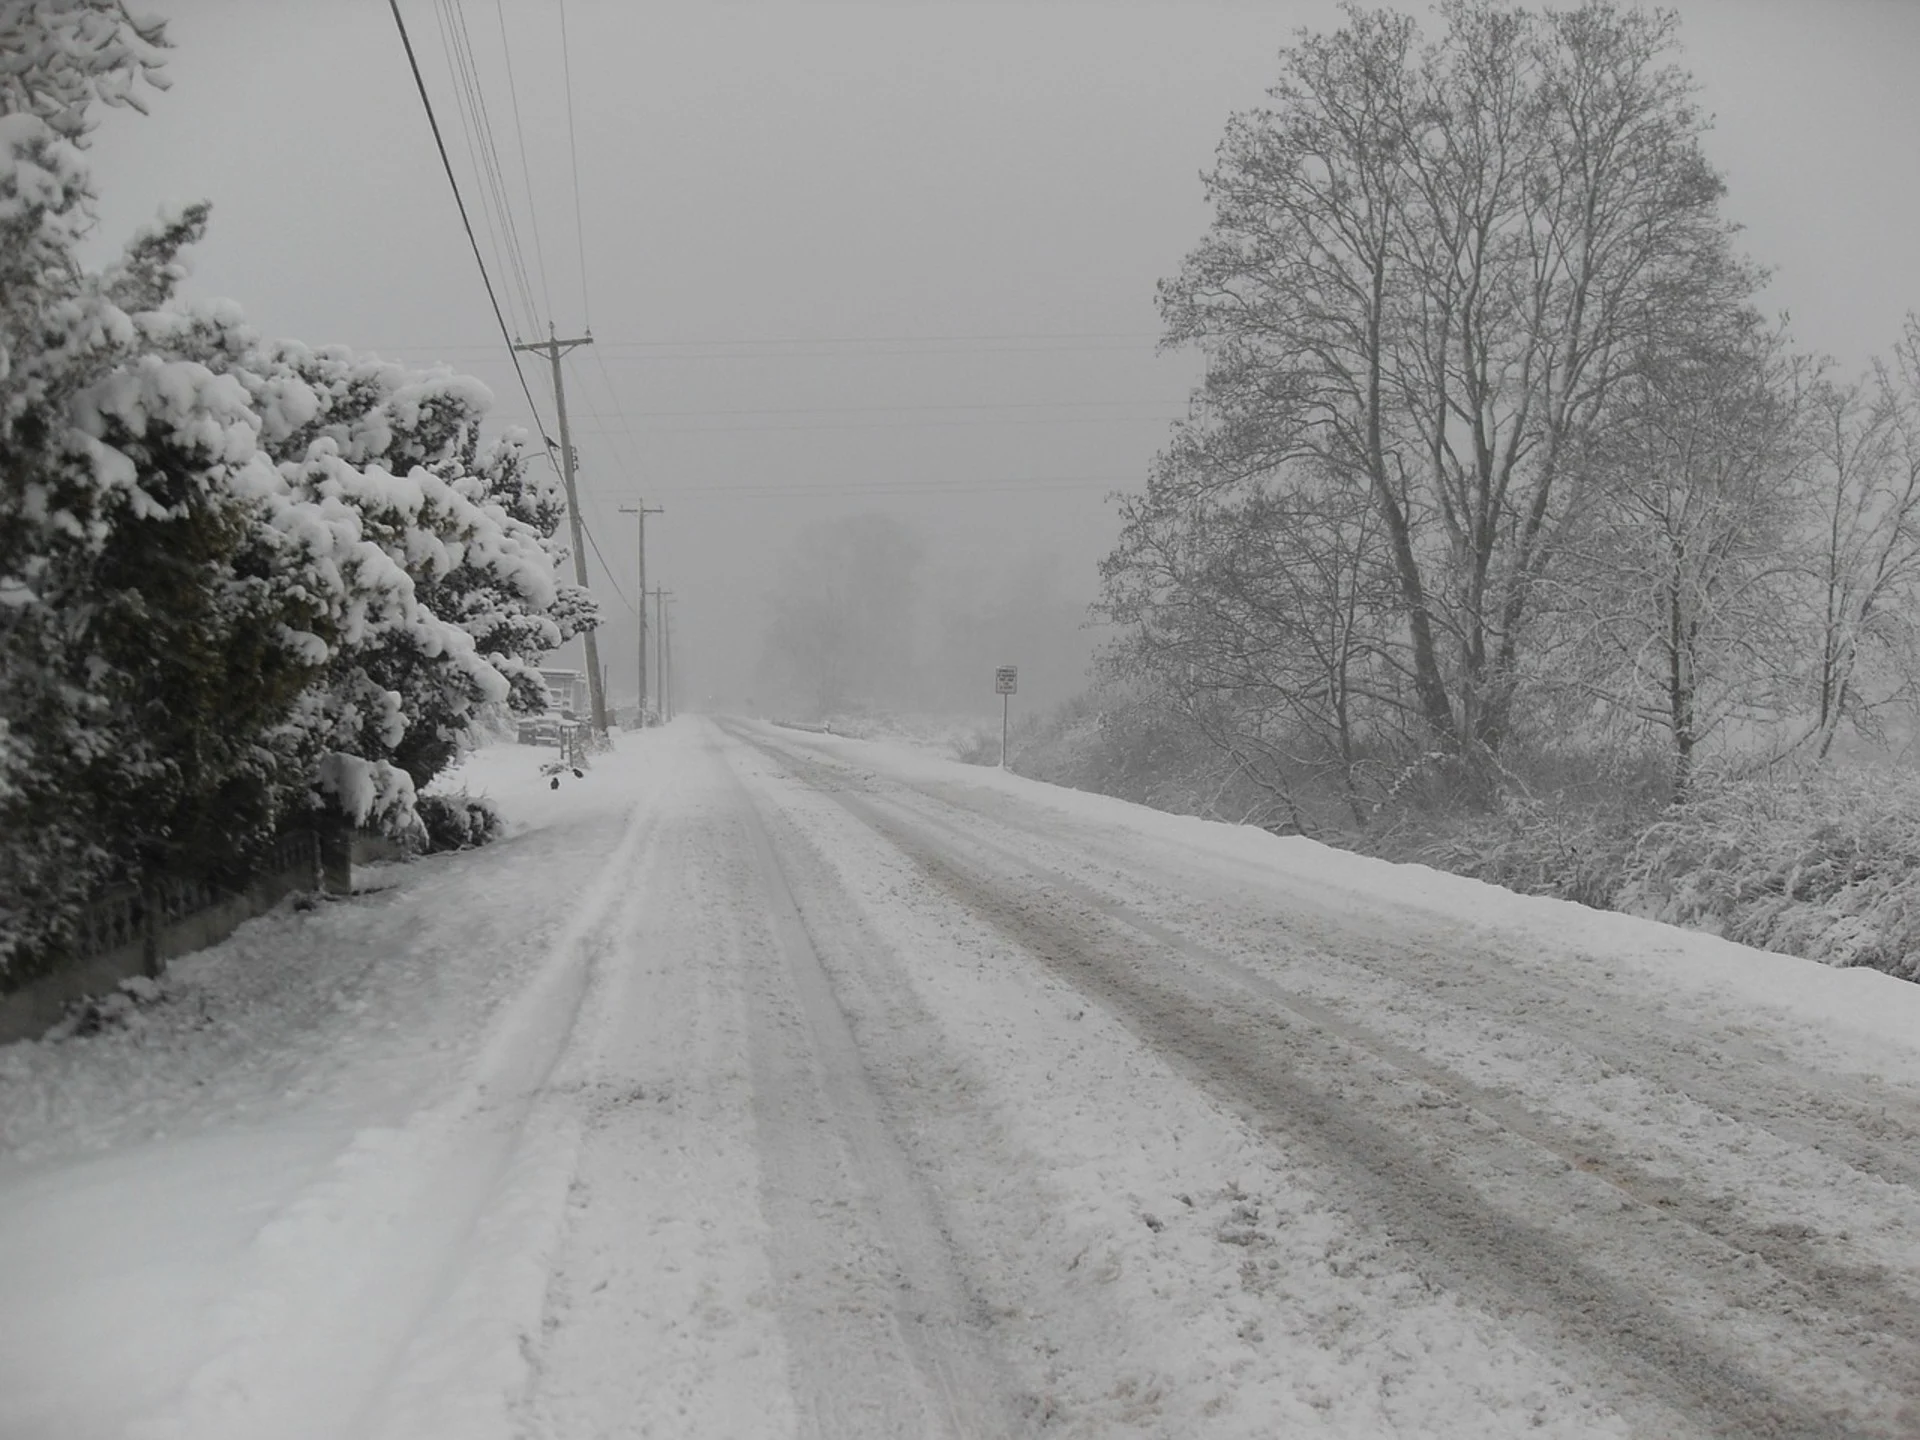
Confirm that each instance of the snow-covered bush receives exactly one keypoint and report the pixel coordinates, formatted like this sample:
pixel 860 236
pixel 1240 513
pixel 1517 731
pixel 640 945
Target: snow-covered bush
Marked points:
pixel 1826 866
pixel 980 747
pixel 1116 740
pixel 239 580
pixel 1539 847
pixel 459 822
pixel 138 631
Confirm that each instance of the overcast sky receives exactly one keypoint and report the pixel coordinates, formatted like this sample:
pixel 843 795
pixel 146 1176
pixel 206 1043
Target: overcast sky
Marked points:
pixel 894 257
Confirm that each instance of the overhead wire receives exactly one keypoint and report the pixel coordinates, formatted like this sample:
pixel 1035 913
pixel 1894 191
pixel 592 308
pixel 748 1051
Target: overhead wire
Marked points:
pixel 484 152
pixel 620 412
pixel 605 568
pixel 628 354
pixel 890 339
pixel 593 413
pixel 573 152
pixel 526 171
pixel 780 346
pixel 1035 484
pixel 498 167
pixel 908 425
pixel 466 221
pixel 889 409
pixel 463 107
pixel 484 146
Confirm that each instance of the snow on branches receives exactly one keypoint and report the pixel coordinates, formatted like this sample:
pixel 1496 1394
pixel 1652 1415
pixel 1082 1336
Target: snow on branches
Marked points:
pixel 239 579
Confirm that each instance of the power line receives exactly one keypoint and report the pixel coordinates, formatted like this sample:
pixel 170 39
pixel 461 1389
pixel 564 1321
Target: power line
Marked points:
pixel 605 569
pixel 891 339
pixel 633 445
pixel 696 342
pixel 561 360
pixel 1038 338
pixel 482 147
pixel 463 106
pixel 497 167
pixel 856 492
pixel 962 485
pixel 616 357
pixel 573 151
pixel 888 409
pixel 601 427
pixel 907 425
pixel 447 165
pixel 526 171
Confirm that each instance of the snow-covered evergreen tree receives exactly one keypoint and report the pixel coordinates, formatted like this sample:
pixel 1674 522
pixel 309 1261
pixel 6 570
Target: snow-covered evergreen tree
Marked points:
pixel 238 579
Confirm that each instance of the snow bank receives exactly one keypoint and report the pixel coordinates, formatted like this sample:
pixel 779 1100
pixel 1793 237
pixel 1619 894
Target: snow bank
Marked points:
pixel 1860 1005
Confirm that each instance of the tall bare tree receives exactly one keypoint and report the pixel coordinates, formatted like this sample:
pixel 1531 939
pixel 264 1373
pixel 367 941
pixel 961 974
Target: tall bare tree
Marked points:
pixel 1429 269
pixel 1864 556
pixel 1262 612
pixel 1682 591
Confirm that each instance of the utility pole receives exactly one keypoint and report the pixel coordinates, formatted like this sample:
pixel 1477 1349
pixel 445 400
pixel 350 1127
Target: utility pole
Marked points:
pixel 660 647
pixel 553 348
pixel 640 513
pixel 666 674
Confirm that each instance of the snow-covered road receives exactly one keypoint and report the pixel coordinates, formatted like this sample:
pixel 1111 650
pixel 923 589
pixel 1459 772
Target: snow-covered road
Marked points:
pixel 767 1084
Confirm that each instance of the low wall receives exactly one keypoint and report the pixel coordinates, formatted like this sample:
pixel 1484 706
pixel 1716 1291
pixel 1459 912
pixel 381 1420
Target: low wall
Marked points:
pixel 135 930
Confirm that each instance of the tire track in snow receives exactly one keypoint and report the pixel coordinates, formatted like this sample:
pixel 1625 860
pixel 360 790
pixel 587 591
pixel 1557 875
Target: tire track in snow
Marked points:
pixel 1856 1292
pixel 1722 1392
pixel 1326 1103
pixel 1872 1128
pixel 348 1277
pixel 883 1339
pixel 1869 1128
pixel 658 1318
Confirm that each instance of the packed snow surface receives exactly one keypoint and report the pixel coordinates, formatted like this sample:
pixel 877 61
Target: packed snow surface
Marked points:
pixel 764 1083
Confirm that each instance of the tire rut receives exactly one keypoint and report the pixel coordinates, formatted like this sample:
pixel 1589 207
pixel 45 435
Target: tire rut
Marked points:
pixel 1879 1127
pixel 1302 1084
pixel 884 1337
pixel 1442 1218
pixel 1875 1132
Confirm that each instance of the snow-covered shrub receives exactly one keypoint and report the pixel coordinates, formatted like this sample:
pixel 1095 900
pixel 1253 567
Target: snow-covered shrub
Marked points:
pixel 1826 866
pixel 238 579
pixel 453 596
pixel 1116 740
pixel 981 747
pixel 1538 847
pixel 458 822
pixel 139 635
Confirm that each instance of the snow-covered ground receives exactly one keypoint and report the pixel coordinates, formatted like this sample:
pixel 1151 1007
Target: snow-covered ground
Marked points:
pixel 764 1083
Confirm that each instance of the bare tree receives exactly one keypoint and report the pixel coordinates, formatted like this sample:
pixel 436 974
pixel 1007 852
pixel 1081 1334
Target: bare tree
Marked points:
pixel 1864 517
pixel 842 614
pixel 1428 271
pixel 1685 579
pixel 1261 614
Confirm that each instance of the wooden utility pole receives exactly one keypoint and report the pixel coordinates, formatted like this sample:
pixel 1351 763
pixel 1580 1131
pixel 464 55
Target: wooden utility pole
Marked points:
pixel 640 513
pixel 553 348
pixel 666 671
pixel 660 647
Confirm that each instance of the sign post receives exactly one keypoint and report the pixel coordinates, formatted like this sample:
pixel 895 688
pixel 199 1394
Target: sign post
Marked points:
pixel 1006 680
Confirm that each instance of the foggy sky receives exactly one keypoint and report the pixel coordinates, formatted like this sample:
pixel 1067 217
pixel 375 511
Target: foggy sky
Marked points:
pixel 845 258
